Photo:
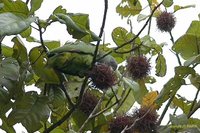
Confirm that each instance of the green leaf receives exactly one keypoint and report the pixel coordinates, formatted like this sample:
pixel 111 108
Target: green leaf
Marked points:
pixel 194 28
pixel 6 51
pixel 161 66
pixel 142 17
pixel 16 7
pixel 182 103
pixel 9 70
pixel 195 80
pixel 179 120
pixel 57 100
pixel 26 33
pixel 128 102
pixel 183 71
pixel 52 44
pixel 30 110
pixel 168 3
pixel 169 89
pixel 78 26
pixel 193 60
pixel 187 45
pixel 19 50
pixel 5 126
pixel 11 24
pixel 38 62
pixel 4 101
pixel 73 29
pixel 35 5
pixel 128 8
pixel 79 118
pixel 120 36
pixel 177 7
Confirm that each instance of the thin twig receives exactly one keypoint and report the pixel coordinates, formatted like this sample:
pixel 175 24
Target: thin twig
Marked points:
pixel 128 128
pixel 27 1
pixel 101 31
pixel 68 114
pixel 177 56
pixel 104 110
pixel 114 94
pixel 131 50
pixel 41 38
pixel 194 101
pixel 135 37
pixel 121 103
pixel 141 30
pixel 166 108
pixel 194 109
pixel 91 115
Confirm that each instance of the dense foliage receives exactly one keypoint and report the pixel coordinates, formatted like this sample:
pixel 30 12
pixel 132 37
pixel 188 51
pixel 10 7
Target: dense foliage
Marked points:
pixel 87 85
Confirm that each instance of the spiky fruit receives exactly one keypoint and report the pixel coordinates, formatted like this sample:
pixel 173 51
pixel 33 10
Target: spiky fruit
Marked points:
pixel 102 76
pixel 138 67
pixel 119 123
pixel 165 21
pixel 147 120
pixel 88 103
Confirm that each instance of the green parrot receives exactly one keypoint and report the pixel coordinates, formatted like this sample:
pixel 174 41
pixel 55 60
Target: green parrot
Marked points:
pixel 76 58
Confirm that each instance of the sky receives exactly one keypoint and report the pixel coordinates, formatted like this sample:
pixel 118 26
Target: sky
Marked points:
pixel 95 10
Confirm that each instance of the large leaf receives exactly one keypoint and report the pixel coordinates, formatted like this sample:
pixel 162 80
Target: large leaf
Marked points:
pixel 6 51
pixel 5 126
pixel 31 110
pixel 38 61
pixel 128 102
pixel 120 36
pixel 183 71
pixel 194 28
pixel 150 46
pixel 192 60
pixel 35 5
pixel 9 70
pixel 161 66
pixel 19 50
pixel 4 101
pixel 183 104
pixel 169 89
pixel 78 26
pixel 16 7
pixel 168 3
pixel 11 24
pixel 57 100
pixel 187 45
pixel 129 8
pixel 179 120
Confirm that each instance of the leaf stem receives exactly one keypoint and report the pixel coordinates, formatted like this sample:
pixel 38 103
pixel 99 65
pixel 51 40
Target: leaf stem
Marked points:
pixel 120 104
pixel 41 38
pixel 101 31
pixel 193 103
pixel 135 37
pixel 173 42
pixel 91 115
pixel 165 109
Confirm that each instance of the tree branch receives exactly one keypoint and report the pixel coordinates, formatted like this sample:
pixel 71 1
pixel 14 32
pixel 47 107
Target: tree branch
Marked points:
pixel 136 36
pixel 173 42
pixel 91 115
pixel 101 31
pixel 193 103
pixel 41 38
pixel 165 109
